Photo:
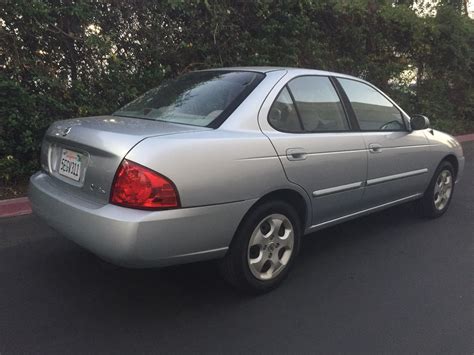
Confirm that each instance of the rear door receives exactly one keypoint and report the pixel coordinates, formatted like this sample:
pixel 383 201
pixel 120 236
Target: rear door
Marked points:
pixel 397 157
pixel 308 126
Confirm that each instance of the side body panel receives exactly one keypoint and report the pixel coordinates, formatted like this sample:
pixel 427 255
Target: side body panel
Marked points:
pixel 214 167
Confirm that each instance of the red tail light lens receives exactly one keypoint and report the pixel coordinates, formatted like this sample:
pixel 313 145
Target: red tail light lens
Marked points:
pixel 138 187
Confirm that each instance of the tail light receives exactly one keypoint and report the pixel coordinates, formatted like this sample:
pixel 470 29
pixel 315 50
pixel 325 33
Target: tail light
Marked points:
pixel 138 187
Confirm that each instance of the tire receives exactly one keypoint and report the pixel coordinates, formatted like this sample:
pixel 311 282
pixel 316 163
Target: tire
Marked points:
pixel 438 195
pixel 263 266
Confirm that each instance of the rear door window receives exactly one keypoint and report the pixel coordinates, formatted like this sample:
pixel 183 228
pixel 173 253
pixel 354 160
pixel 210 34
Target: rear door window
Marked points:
pixel 308 104
pixel 318 104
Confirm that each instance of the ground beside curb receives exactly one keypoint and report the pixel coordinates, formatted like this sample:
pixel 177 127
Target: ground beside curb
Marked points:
pixel 20 206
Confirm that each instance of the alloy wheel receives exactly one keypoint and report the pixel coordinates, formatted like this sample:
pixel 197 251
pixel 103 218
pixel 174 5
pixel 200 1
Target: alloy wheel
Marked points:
pixel 270 247
pixel 443 189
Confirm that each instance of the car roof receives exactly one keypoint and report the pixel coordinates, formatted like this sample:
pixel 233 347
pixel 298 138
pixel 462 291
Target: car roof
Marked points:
pixel 267 69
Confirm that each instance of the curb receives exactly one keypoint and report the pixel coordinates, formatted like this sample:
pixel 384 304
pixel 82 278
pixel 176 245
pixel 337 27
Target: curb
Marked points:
pixel 15 207
pixel 465 138
pixel 21 206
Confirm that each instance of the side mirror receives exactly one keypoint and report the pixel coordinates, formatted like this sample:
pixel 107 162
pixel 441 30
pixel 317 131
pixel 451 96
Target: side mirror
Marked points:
pixel 418 122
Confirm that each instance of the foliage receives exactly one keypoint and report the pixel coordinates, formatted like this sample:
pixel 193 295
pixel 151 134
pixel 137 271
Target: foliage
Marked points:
pixel 66 58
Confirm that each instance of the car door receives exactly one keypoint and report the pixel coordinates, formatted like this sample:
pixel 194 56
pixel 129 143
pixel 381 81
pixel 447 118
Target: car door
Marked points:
pixel 398 158
pixel 318 149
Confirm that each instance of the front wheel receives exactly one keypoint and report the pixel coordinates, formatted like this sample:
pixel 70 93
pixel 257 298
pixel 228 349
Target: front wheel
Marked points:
pixel 437 197
pixel 264 248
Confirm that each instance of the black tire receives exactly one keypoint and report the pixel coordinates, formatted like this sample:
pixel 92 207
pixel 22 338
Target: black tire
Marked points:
pixel 235 266
pixel 426 205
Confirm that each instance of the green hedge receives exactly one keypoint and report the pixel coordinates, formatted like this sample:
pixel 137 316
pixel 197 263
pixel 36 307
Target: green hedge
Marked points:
pixel 69 58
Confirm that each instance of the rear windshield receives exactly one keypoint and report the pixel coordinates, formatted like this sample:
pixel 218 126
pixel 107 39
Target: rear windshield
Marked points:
pixel 204 98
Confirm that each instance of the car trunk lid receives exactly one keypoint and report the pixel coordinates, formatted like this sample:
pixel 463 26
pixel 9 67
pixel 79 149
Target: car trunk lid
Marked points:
pixel 83 154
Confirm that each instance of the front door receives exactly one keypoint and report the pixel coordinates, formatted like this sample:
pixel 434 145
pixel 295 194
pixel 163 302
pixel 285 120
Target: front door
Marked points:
pixel 397 157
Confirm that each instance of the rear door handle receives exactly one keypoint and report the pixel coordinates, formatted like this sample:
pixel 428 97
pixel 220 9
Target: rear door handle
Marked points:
pixel 296 154
pixel 375 148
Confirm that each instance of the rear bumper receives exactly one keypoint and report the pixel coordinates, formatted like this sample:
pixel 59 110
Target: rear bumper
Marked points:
pixel 137 238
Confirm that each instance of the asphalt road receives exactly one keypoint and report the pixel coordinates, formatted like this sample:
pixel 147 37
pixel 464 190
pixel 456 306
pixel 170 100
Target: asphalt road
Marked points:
pixel 387 283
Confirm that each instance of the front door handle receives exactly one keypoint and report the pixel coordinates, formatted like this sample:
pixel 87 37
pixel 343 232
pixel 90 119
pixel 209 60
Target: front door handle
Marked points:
pixel 375 148
pixel 296 154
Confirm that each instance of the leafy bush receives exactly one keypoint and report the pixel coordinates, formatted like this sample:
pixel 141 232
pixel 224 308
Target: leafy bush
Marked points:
pixel 77 58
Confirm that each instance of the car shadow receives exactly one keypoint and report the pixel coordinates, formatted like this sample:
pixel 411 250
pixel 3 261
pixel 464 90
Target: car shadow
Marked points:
pixel 82 275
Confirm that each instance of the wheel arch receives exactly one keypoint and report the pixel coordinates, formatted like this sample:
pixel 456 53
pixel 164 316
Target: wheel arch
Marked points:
pixel 294 198
pixel 451 158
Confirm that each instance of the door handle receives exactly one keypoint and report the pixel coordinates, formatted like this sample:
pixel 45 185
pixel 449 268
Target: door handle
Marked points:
pixel 296 154
pixel 375 148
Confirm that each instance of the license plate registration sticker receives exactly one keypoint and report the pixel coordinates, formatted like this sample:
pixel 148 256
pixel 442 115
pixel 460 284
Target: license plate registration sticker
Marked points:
pixel 70 164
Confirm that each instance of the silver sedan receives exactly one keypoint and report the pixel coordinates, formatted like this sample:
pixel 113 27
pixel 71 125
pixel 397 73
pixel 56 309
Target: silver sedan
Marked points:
pixel 238 164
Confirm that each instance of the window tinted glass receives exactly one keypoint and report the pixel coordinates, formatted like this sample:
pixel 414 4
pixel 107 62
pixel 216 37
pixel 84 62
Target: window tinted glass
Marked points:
pixel 282 115
pixel 318 104
pixel 373 111
pixel 196 98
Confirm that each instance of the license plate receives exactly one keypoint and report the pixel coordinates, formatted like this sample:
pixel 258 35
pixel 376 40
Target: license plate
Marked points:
pixel 70 164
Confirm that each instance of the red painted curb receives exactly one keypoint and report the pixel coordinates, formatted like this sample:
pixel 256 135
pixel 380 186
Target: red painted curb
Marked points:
pixel 21 206
pixel 465 138
pixel 15 207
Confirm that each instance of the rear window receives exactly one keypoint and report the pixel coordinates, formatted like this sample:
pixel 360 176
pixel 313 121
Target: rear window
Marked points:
pixel 204 98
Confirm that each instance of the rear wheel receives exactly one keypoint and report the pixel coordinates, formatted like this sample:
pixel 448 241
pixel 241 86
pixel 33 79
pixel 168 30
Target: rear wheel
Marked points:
pixel 436 200
pixel 264 248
